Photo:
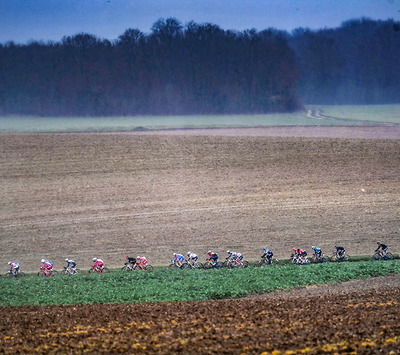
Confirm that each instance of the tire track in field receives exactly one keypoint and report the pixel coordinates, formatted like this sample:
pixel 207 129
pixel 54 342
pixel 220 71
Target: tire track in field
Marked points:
pixel 319 115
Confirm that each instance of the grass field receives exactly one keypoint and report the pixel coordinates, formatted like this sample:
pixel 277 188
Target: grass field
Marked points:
pixel 376 113
pixel 353 115
pixel 181 285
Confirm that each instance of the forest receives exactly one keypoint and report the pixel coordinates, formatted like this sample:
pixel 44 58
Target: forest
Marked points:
pixel 202 69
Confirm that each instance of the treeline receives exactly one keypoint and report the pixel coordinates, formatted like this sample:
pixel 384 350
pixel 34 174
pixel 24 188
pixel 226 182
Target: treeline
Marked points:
pixel 357 63
pixel 196 69
pixel 202 69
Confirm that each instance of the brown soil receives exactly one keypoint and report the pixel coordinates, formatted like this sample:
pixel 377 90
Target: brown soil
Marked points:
pixel 109 195
pixel 358 320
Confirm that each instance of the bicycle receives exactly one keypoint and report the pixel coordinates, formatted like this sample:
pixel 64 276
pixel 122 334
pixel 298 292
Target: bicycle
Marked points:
pixel 98 270
pixel 70 271
pixel 190 264
pixel 379 256
pixel 129 267
pixel 231 264
pixel 46 272
pixel 316 259
pixel 175 265
pixel 211 264
pixel 339 258
pixel 265 262
pixel 299 260
pixel 15 274
pixel 146 267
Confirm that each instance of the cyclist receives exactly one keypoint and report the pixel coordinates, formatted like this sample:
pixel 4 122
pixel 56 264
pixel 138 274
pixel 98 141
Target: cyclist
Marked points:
pixel 213 257
pixel 98 264
pixel 302 255
pixel 14 267
pixel 237 257
pixel 230 254
pixel 339 251
pixel 142 262
pixel 268 254
pixel 383 247
pixel 47 266
pixel 179 258
pixel 71 265
pixel 317 251
pixel 192 257
pixel 131 261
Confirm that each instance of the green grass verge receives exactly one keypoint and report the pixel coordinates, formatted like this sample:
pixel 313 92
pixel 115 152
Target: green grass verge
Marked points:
pixel 181 285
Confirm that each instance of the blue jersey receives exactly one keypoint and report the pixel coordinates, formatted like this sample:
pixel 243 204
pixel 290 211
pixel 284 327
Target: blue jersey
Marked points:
pixel 179 257
pixel 71 263
pixel 14 266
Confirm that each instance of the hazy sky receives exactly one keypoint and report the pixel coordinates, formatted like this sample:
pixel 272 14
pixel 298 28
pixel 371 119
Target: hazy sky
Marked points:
pixel 25 20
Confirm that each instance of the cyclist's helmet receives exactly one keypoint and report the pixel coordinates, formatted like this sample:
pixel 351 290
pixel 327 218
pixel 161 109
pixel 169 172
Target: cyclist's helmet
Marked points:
pixel 189 252
pixel 294 249
pixel 138 257
pixel 228 251
pixel 265 248
pixel 94 259
pixel 42 260
pixel 335 246
pixel 209 252
pixel 9 263
pixel 313 247
pixel 66 259
pixel 378 242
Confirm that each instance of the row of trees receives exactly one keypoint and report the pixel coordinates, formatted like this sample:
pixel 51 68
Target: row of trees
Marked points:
pixel 196 69
pixel 202 69
pixel 357 63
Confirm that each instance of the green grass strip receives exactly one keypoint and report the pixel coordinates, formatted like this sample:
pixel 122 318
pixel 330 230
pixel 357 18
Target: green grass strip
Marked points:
pixel 181 285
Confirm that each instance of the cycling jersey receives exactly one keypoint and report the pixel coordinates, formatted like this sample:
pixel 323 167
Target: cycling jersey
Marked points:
pixel 14 266
pixel 131 260
pixel 179 257
pixel 318 251
pixel 383 247
pixel 47 264
pixel 193 257
pixel 99 263
pixel 71 263
pixel 267 254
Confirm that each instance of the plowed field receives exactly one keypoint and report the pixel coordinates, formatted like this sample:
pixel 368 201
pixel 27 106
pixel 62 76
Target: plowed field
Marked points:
pixel 109 195
pixel 364 320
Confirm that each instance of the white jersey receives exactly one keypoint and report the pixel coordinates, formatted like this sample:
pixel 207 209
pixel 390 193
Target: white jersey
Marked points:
pixel 192 256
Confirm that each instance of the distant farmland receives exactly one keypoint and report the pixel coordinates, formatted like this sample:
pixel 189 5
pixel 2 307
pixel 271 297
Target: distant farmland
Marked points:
pixel 346 115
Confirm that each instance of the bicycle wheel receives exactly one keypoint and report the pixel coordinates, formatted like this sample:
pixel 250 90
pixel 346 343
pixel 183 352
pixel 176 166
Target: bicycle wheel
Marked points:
pixel 245 264
pixel 105 270
pixel 275 261
pixel 389 256
pixel 376 256
pixel 198 265
pixel 53 273
pixel 148 267
pixel 8 275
